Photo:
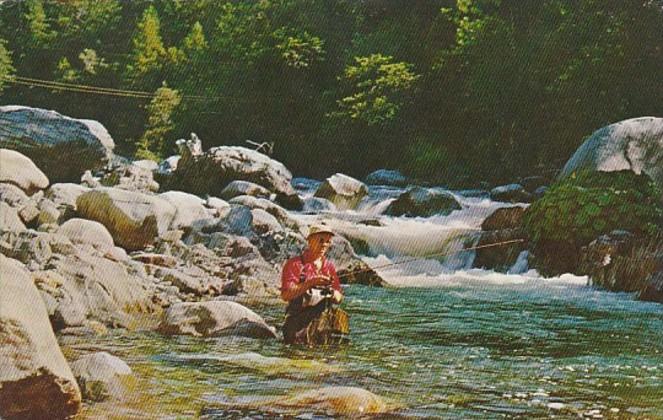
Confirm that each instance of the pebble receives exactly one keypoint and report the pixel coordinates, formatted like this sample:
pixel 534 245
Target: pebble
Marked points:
pixel 556 406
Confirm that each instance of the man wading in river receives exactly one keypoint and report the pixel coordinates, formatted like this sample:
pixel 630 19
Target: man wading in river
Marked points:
pixel 311 287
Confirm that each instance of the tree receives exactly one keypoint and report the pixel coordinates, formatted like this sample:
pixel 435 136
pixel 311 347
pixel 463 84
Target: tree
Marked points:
pixel 152 145
pixel 378 89
pixel 6 68
pixel 149 52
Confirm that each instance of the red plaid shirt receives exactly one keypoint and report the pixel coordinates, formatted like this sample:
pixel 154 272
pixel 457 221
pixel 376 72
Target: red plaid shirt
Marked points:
pixel 294 267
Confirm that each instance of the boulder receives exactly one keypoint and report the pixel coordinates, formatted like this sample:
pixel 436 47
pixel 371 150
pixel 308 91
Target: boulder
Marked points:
pixel 190 210
pixel 504 218
pixel 349 267
pixel 534 182
pixel 220 207
pixel 62 147
pixel 275 210
pixel 9 219
pixel 317 205
pixel 345 192
pixel 264 223
pixel 511 193
pixel 215 318
pixel 168 165
pixel 386 177
pixel 210 172
pixel 64 195
pixel 35 380
pixel 422 202
pixel 100 375
pixel 236 188
pixel 305 184
pixel 19 170
pixel 653 289
pixel 12 195
pixel 93 287
pixel 87 232
pixel 133 176
pixel 133 219
pixel 635 144
pixel 499 257
pixel 189 280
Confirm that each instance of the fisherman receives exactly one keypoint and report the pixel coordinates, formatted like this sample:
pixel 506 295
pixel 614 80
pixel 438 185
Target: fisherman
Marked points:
pixel 311 287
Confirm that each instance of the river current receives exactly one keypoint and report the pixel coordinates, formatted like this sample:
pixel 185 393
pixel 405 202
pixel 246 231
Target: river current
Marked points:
pixel 444 341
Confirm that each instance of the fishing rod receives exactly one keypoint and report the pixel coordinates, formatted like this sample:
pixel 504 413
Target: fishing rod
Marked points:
pixel 436 254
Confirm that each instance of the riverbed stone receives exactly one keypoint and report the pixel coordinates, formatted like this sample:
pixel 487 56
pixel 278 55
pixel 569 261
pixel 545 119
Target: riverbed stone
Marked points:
pixel 344 191
pixel 87 232
pixel 190 210
pixel 35 379
pixel 9 219
pixel 12 195
pixel 510 193
pixel 100 375
pixel 133 219
pixel 387 177
pixel 635 144
pixel 19 170
pixel 62 147
pixel 504 218
pixel 214 318
pixel 239 187
pixel 422 202
pixel 337 400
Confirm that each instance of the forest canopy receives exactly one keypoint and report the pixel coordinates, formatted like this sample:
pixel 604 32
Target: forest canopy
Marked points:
pixel 455 92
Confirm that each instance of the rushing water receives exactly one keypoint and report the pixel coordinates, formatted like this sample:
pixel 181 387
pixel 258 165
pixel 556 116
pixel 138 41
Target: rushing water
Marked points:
pixel 445 341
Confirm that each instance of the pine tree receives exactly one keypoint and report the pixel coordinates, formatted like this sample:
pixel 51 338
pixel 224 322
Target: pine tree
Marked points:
pixel 152 145
pixel 149 52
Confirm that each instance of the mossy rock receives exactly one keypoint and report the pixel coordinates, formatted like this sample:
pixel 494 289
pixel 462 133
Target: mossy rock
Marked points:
pixel 580 208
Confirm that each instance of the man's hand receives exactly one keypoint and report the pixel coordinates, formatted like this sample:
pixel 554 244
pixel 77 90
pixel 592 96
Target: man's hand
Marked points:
pixel 319 281
pixel 338 296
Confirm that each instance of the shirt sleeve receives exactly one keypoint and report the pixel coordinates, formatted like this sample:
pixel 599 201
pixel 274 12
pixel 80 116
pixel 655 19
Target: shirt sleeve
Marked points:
pixel 336 282
pixel 290 274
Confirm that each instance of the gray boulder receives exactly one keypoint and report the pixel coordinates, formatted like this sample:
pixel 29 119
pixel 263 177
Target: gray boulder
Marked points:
pixel 215 318
pixel 210 172
pixel 19 170
pixel 274 209
pixel 190 210
pixel 64 195
pixel 511 193
pixel 422 202
pixel 386 177
pixel 35 379
pixel 9 219
pixel 236 188
pixel 317 205
pixel 100 375
pixel 13 195
pixel 264 223
pixel 133 176
pixel 87 286
pixel 635 144
pixel 60 146
pixel 344 191
pixel 87 232
pixel 133 219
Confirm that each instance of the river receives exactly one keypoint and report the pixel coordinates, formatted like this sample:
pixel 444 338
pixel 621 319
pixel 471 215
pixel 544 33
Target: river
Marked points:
pixel 445 341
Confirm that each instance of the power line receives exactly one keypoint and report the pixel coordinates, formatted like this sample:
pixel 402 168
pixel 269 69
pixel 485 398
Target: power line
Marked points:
pixel 98 90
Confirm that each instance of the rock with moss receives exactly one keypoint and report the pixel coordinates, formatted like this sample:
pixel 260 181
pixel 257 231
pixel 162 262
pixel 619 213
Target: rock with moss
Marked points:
pixel 579 209
pixel 422 202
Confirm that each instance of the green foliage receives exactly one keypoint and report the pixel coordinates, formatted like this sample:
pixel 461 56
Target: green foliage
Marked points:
pixel 6 67
pixel 298 51
pixel 152 145
pixel 149 52
pixel 581 208
pixel 378 87
pixel 36 17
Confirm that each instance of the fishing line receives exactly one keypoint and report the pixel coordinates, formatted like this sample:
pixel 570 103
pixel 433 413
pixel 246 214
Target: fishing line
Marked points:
pixel 436 254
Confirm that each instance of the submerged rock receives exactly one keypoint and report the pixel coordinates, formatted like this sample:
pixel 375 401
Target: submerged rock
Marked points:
pixel 17 169
pixel 62 147
pixel 504 218
pixel 215 318
pixel 345 192
pixel 338 400
pixel 100 375
pixel 35 380
pixel 635 144
pixel 422 202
